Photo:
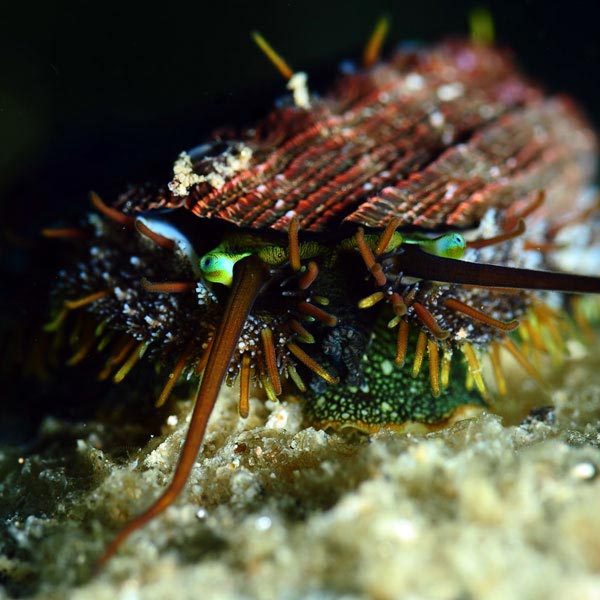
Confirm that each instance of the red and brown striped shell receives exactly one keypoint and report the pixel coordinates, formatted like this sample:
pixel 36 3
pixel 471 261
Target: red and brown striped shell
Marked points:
pixel 433 137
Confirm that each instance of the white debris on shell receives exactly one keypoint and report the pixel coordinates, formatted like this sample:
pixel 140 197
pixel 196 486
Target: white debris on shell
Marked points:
pixel 414 82
pixel 224 167
pixel 299 88
pixel 488 226
pixel 450 91
pixel 436 119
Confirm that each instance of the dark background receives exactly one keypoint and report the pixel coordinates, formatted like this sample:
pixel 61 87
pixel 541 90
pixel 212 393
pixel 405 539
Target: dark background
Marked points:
pixel 95 95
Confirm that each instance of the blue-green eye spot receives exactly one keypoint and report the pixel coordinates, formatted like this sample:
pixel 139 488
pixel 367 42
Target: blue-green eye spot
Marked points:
pixel 206 263
pixel 217 266
pixel 450 245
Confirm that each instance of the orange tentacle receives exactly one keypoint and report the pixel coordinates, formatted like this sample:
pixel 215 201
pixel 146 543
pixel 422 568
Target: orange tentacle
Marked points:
pixel 112 213
pixel 160 240
pixel 459 306
pixel 429 321
pixel 270 359
pixel 249 278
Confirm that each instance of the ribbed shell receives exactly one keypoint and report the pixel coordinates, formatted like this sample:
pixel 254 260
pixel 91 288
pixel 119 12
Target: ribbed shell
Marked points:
pixel 433 137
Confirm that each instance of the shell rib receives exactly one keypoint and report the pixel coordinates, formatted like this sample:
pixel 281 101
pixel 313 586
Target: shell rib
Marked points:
pixel 433 138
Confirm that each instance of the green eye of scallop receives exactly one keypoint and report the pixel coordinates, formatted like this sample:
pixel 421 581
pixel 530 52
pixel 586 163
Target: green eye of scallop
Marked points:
pixel 448 245
pixel 217 266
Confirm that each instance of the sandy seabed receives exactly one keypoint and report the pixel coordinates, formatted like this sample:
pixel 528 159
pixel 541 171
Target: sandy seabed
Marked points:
pixel 492 507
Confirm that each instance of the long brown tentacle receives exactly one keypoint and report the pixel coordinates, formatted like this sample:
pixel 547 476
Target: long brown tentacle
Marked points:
pixel 416 263
pixel 250 275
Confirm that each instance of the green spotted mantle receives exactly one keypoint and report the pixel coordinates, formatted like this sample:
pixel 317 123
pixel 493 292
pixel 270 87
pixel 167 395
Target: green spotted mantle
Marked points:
pixel 389 395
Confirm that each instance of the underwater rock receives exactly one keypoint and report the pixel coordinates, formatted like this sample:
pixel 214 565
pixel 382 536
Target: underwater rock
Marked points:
pixel 272 510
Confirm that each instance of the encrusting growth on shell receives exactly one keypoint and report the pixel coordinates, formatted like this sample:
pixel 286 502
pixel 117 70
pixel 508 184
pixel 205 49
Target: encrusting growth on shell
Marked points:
pixel 230 163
